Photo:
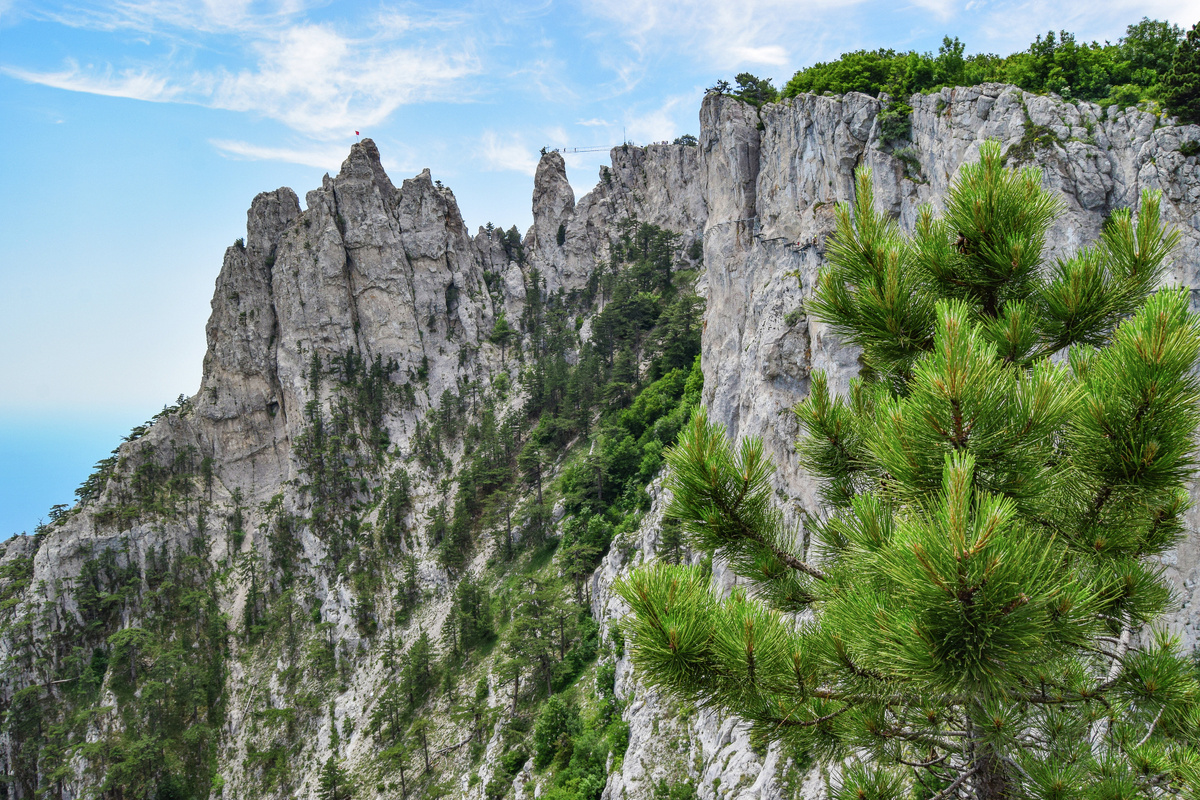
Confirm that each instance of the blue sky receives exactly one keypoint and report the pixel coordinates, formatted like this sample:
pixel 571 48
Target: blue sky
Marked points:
pixel 134 133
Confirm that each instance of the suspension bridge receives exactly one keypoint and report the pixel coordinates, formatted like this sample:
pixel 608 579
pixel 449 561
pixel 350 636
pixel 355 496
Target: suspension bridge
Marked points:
pixel 595 149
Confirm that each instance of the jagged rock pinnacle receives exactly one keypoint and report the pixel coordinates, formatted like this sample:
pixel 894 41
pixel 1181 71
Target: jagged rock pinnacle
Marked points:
pixel 364 162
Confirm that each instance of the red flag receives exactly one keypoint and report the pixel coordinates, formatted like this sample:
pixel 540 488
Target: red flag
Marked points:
pixel 356 133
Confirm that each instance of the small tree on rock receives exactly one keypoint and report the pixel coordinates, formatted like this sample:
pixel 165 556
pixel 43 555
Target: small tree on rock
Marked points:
pixel 755 90
pixel 334 783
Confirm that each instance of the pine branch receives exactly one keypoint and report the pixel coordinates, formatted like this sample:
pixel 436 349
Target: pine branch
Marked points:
pixel 924 764
pixel 747 532
pixel 928 740
pixel 794 723
pixel 953 787
pixel 707 478
pixel 1150 731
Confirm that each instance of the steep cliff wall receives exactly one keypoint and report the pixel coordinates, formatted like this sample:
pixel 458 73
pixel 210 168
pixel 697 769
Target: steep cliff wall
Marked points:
pixel 770 190
pixel 780 185
pixel 655 184
pixel 386 272
pixel 337 333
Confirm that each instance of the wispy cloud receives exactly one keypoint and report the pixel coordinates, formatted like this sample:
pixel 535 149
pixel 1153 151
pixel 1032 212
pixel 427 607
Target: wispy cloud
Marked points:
pixel 324 84
pixel 724 35
pixel 663 121
pixel 507 153
pixel 327 157
pixel 138 84
pixel 399 160
pixel 545 75
pixel 312 77
pixel 241 17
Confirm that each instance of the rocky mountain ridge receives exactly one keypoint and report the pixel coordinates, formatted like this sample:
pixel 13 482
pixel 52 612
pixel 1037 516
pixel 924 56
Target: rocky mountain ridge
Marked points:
pixel 385 290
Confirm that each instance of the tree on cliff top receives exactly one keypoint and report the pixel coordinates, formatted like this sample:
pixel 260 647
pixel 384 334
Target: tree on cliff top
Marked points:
pixel 1181 85
pixel 755 90
pixel 974 619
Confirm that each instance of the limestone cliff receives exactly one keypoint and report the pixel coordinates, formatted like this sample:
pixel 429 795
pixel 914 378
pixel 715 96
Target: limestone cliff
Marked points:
pixel 780 186
pixel 769 193
pixel 339 330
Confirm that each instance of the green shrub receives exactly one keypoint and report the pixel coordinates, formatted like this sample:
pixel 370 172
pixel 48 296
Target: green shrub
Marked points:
pixel 895 123
pixel 1139 66
pixel 556 728
pixel 1124 96
pixel 674 791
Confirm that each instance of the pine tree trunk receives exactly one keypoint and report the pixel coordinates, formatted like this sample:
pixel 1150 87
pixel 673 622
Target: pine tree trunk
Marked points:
pixel 991 778
pixel 508 542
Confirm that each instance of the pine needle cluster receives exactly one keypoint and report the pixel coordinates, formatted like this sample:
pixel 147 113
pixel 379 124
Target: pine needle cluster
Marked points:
pixel 977 616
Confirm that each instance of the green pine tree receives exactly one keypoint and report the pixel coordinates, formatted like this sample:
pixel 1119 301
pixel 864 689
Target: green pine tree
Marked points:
pixel 1181 85
pixel 534 639
pixel 977 619
pixel 417 674
pixel 333 782
pixel 502 334
pixel 396 757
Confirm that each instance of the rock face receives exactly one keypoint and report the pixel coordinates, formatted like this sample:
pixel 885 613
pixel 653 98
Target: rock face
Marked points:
pixel 769 195
pixel 366 267
pixel 385 290
pixel 655 184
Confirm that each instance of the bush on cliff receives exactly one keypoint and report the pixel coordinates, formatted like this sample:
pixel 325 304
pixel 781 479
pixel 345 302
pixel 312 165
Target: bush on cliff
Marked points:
pixel 1182 81
pixel 1124 73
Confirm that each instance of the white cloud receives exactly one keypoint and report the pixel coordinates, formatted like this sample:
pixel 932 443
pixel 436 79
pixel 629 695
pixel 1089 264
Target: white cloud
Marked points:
pixel 663 122
pixel 310 77
pixel 131 83
pixel 557 137
pixel 324 84
pixel 509 153
pixel 772 55
pixel 546 76
pixel 724 35
pixel 242 17
pixel 327 157
pixel 595 123
pixel 942 10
